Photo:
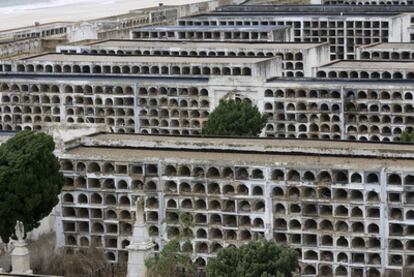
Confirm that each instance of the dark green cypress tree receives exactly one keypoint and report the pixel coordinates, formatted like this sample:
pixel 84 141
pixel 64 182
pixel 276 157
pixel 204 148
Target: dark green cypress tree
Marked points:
pixel 30 181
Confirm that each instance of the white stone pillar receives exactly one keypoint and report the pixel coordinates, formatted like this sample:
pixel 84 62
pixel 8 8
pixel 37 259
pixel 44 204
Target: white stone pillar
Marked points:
pixel 141 245
pixel 20 258
pixel 137 254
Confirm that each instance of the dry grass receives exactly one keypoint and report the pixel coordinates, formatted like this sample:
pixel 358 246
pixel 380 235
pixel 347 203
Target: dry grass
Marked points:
pixel 47 260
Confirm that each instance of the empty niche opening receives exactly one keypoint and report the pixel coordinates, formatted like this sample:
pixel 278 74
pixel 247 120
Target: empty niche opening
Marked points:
pixel 356 178
pixel 396 244
pixel 228 173
pixel 151 169
pixel 309 270
pixel 258 223
pixel 69 226
pixel 374 259
pixel 122 184
pixel 121 169
pixel 395 214
pixel 70 240
pixel 277 175
pixel 112 228
pixel 184 171
pixel 111 214
pixel 294 193
pixel 310 224
pixel 230 220
pixel 293 176
pixel 341 226
pixel 199 188
pixel 213 172
pixel 242 174
pixel 97 228
pixel 324 178
pixel 309 193
pixel 125 229
pixel 136 169
pixel 202 247
pixel 201 234
pixel 295 225
pixel 356 195
pixel 357 227
pixel 242 190
pixel 394 179
pixel 83 227
pixel 213 188
pixel 200 204
pixel 125 215
pixel 295 239
pixel 280 238
pixel 327 240
pixel 310 240
pixel 326 225
pixel 311 255
pixel 324 193
pixel 325 271
pixel 373 228
pixel 214 205
pixel 295 208
pixel 108 168
pixel 170 187
pixel 151 186
pixel 215 219
pixel 257 191
pixel 153 230
pixel 200 219
pixel 96 213
pixel 198 172
pixel 109 184
pixel 325 210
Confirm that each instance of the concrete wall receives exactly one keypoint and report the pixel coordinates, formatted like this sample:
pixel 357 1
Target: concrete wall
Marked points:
pixel 400 26
pixel 343 219
pixel 23 46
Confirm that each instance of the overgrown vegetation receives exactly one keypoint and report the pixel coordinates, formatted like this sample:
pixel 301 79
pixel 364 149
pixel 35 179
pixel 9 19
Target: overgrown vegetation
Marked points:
pixel 407 137
pixel 170 262
pixel 46 260
pixel 86 262
pixel 30 181
pixel 235 118
pixel 260 258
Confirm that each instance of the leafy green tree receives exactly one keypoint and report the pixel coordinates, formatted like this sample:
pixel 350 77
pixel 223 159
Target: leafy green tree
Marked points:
pixel 257 258
pixel 234 118
pixel 170 262
pixel 30 181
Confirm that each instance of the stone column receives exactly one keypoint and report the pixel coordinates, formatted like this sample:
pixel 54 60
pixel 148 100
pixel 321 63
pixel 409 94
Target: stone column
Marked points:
pixel 20 256
pixel 141 245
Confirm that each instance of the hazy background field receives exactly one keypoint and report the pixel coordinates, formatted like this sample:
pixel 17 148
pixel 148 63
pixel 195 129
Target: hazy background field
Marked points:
pixel 19 13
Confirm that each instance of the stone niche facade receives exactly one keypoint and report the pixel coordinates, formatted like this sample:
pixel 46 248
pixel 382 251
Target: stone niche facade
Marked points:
pixel 298 59
pixel 347 214
pixel 374 111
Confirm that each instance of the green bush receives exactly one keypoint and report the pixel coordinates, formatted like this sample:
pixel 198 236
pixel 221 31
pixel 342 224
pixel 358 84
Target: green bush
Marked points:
pixel 234 118
pixel 256 259
pixel 170 262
